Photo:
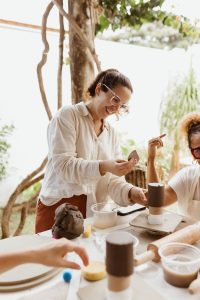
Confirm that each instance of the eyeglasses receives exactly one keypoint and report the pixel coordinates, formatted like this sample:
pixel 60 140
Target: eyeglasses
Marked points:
pixel 115 101
pixel 196 152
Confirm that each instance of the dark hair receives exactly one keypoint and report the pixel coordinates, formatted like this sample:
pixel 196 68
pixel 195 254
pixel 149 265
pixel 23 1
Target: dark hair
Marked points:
pixel 111 78
pixel 194 129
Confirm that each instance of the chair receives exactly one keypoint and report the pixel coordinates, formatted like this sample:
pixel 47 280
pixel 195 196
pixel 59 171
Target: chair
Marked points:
pixel 137 177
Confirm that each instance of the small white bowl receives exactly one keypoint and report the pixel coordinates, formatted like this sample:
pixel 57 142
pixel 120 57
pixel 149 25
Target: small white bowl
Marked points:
pixel 104 214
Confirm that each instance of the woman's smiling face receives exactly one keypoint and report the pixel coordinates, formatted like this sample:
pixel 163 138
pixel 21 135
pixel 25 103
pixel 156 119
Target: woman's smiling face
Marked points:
pixel 195 146
pixel 112 101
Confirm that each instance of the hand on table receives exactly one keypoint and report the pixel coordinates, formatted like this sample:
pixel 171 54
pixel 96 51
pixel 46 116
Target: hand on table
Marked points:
pixel 138 195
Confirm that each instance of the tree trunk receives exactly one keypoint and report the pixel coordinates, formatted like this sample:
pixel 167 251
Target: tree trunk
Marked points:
pixel 81 61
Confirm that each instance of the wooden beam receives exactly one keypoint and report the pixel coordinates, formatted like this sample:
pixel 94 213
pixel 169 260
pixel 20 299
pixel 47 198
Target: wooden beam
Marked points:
pixel 26 25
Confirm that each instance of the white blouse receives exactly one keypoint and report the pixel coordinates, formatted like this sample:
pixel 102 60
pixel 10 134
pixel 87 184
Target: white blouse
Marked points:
pixel 73 160
pixel 186 184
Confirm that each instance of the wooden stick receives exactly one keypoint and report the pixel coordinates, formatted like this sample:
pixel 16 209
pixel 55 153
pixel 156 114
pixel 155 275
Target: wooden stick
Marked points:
pixel 143 258
pixel 26 25
pixel 189 234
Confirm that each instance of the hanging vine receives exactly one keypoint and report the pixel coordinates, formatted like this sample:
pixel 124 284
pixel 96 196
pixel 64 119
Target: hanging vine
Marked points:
pixel 60 59
pixel 79 32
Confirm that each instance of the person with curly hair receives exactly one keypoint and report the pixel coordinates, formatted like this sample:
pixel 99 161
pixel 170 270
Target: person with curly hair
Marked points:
pixel 85 164
pixel 184 186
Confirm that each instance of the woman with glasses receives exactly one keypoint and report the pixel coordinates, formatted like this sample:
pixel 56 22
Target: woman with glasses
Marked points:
pixel 183 187
pixel 84 161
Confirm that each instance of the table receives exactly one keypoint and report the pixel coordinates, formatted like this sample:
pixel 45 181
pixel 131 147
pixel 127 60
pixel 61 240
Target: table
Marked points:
pixel 57 289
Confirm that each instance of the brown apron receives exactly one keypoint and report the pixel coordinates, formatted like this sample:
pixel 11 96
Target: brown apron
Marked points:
pixel 45 214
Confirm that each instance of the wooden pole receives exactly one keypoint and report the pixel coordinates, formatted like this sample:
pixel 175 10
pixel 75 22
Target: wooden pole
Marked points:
pixel 26 25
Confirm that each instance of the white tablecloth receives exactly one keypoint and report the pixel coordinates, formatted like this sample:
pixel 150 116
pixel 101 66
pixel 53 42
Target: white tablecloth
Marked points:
pixel 57 289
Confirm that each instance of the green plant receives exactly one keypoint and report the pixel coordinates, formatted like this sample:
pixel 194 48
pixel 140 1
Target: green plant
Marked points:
pixel 30 192
pixel 183 96
pixel 126 146
pixel 133 14
pixel 5 131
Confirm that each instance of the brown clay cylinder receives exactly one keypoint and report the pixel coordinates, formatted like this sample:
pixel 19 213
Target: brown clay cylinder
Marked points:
pixel 189 235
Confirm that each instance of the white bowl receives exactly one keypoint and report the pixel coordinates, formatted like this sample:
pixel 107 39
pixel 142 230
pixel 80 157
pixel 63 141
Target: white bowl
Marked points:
pixel 104 214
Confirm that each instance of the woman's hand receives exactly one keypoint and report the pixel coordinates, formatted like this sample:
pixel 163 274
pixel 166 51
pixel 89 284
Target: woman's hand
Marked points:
pixel 154 144
pixel 117 167
pixel 138 195
pixel 53 254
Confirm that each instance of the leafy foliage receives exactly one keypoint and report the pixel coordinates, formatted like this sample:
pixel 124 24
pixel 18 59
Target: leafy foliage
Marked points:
pixel 154 35
pixel 128 13
pixel 30 192
pixel 135 13
pixel 183 97
pixel 126 146
pixel 5 130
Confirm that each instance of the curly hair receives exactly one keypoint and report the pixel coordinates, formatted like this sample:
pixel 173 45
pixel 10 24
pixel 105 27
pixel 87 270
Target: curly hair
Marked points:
pixel 190 125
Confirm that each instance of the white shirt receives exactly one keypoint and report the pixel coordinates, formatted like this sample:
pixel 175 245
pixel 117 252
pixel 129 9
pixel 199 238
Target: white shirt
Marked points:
pixel 186 184
pixel 73 160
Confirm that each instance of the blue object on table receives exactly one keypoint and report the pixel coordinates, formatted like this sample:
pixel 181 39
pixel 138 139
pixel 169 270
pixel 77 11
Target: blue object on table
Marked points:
pixel 67 276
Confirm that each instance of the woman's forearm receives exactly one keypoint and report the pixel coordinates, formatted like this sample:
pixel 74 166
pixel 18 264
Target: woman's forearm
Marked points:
pixel 152 175
pixel 15 258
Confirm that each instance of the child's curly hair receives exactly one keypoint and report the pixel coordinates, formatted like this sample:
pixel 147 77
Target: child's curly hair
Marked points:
pixel 190 125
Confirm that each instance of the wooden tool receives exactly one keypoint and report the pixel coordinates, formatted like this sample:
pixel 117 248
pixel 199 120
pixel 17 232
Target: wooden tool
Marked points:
pixel 188 235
